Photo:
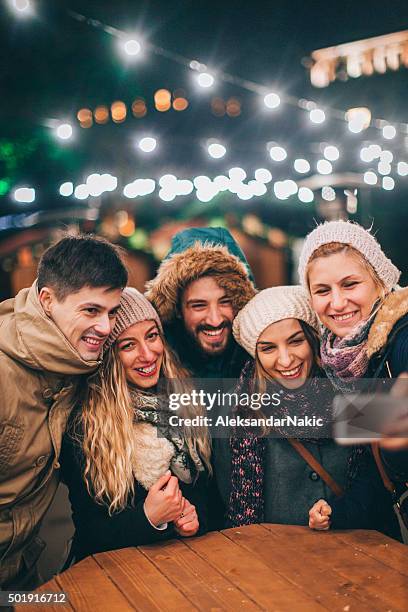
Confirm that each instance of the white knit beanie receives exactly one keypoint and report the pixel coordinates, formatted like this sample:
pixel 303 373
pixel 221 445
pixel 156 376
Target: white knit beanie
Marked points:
pixel 134 308
pixel 267 307
pixel 347 232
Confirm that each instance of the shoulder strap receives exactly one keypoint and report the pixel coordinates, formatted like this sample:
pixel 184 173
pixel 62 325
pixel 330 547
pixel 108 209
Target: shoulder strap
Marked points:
pixel 384 477
pixel 316 466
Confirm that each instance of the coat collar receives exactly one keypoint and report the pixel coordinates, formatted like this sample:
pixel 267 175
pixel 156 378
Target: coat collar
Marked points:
pixel 393 308
pixel 29 336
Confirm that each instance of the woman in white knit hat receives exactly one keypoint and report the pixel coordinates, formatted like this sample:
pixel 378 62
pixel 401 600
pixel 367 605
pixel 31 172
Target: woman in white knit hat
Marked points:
pixel 133 480
pixel 354 292
pixel 267 473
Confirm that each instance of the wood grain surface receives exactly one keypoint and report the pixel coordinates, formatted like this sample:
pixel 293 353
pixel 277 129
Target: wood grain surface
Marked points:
pixel 283 568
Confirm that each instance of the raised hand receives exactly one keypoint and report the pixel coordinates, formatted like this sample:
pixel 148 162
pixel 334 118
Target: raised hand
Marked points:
pixel 164 502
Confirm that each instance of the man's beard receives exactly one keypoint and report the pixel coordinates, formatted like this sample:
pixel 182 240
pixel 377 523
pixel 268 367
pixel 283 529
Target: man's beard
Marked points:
pixel 217 348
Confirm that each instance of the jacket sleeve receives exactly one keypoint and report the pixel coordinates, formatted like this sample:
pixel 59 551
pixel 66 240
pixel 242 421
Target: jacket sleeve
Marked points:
pixel 197 494
pixel 398 356
pixel 396 464
pixel 96 531
pixel 366 504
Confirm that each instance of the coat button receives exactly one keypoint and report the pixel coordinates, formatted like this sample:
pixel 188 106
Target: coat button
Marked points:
pixel 41 460
pixel 314 476
pixel 47 393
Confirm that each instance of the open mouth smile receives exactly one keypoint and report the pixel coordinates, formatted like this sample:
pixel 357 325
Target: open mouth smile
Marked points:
pixel 344 317
pixel 211 334
pixel 93 343
pixel 149 370
pixel 293 373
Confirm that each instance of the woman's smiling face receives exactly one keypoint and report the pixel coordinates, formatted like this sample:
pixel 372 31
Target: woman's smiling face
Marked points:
pixel 343 291
pixel 285 354
pixel 140 350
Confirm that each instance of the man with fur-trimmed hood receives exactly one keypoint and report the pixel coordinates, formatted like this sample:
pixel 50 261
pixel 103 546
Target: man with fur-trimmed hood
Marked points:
pixel 199 288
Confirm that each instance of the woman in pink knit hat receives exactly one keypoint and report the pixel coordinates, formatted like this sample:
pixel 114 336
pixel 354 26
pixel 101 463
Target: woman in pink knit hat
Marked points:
pixel 132 479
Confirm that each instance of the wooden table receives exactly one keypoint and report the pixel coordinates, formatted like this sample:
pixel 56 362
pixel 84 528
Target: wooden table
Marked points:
pixel 259 567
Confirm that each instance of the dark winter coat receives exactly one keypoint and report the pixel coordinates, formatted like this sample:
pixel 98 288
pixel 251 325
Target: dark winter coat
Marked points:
pixel 367 497
pixel 96 531
pixel 291 487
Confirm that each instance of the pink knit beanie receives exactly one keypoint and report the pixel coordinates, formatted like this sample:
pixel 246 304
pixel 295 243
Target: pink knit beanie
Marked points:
pixel 134 308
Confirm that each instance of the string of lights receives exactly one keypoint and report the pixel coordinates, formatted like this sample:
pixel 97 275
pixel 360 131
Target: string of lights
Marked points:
pixel 169 187
pixel 235 181
pixel 134 47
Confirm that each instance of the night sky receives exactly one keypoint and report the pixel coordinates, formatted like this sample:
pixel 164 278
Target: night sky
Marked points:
pixel 53 65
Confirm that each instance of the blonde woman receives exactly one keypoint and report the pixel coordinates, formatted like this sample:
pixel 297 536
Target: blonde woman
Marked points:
pixel 354 292
pixel 133 480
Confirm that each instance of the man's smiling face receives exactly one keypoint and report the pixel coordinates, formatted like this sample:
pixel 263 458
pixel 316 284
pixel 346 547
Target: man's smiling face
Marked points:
pixel 207 314
pixel 85 317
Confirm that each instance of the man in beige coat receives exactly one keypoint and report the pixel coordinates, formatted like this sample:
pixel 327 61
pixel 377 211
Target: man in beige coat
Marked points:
pixel 50 336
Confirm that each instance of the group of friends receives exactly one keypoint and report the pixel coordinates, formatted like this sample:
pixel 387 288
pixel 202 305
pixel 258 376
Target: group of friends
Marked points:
pixel 87 366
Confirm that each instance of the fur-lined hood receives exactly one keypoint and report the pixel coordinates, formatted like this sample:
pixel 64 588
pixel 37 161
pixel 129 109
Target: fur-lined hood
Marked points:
pixel 394 307
pixel 213 252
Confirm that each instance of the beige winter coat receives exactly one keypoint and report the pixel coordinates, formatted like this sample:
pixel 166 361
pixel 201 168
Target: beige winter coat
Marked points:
pixel 38 370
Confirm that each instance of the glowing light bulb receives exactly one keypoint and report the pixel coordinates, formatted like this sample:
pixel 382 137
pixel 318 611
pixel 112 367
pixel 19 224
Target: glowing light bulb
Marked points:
pixel 384 168
pixel 370 178
pixel 317 115
pixel 389 132
pixel 272 100
pixel 388 183
pixel 147 144
pixel 205 79
pixel 331 153
pixel 366 155
pixel 237 174
pixel 216 150
pixel 24 195
pixel 262 175
pixel 302 166
pixel 278 154
pixel 305 195
pixel 64 131
pixel 22 7
pixel 132 47
pixel 66 189
pixel 402 168
pixel 324 167
pixel 328 194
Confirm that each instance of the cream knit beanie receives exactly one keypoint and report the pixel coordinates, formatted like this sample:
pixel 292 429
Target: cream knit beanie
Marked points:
pixel 267 307
pixel 355 235
pixel 134 308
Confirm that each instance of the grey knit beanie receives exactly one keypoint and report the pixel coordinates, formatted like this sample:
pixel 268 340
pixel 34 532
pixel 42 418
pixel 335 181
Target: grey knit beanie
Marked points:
pixel 356 236
pixel 270 306
pixel 134 308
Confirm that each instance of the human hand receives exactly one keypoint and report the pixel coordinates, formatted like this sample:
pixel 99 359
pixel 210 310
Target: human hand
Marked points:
pixel 319 515
pixel 400 426
pixel 187 524
pixel 164 502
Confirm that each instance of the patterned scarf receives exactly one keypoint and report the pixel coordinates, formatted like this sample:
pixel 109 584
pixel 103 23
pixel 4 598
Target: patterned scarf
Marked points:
pixel 345 359
pixel 153 409
pixel 246 503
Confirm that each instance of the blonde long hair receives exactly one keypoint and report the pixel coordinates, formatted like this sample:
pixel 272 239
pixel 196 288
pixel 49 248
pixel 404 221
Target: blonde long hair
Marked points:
pixel 104 429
